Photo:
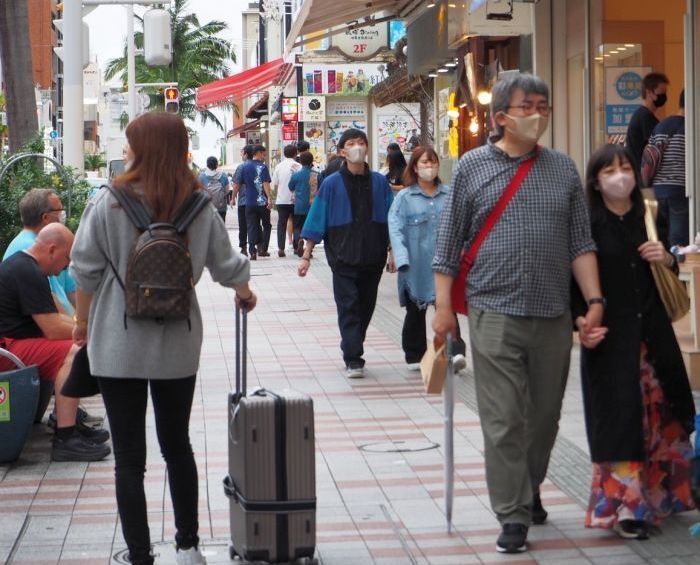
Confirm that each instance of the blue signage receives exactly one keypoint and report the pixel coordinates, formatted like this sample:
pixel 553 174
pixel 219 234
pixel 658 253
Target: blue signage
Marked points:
pixel 617 117
pixel 53 134
pixel 629 86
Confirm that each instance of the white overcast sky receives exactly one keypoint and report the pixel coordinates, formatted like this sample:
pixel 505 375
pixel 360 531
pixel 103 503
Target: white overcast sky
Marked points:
pixel 108 32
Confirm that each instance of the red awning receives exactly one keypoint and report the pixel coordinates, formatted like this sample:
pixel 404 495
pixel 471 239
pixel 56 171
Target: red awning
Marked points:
pixel 243 84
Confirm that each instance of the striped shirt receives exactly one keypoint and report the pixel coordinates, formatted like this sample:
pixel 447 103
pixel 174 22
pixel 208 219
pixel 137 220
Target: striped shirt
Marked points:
pixel 670 133
pixel 524 266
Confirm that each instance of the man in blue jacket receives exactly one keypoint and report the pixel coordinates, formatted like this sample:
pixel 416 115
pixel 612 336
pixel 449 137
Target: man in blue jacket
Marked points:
pixel 350 215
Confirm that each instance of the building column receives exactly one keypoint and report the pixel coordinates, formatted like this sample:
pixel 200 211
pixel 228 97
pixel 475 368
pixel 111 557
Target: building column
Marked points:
pixel 692 112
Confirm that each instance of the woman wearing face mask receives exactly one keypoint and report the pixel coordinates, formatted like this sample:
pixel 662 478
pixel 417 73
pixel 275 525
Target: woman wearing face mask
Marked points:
pixel 638 405
pixel 413 221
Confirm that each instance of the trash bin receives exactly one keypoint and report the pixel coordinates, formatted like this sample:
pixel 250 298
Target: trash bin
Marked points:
pixel 19 395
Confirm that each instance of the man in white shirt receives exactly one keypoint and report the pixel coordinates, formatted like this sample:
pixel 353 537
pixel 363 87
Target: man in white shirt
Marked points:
pixel 285 205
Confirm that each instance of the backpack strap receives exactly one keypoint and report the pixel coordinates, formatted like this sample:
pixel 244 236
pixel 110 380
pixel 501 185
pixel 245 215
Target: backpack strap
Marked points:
pixel 134 209
pixel 197 201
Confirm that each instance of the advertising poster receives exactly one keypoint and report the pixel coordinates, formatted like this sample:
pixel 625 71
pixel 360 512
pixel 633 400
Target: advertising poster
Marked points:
pixel 340 79
pixel 289 131
pixel 290 111
pixel 623 95
pixel 314 133
pixel 397 30
pixel 346 110
pixel 336 128
pixel 398 127
pixel 312 109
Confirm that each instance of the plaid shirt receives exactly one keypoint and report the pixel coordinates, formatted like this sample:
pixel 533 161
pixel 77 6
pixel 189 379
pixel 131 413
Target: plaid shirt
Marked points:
pixel 524 266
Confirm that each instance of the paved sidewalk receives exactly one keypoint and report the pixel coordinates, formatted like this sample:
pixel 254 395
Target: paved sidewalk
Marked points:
pixel 378 457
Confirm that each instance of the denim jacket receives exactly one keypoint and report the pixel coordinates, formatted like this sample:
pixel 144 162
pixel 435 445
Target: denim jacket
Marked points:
pixel 413 223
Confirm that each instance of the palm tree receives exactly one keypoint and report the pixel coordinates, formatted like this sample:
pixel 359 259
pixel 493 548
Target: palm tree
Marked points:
pixel 16 58
pixel 199 57
pixel 94 161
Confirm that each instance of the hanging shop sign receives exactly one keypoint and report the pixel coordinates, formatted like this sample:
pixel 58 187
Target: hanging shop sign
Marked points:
pixel 253 137
pixel 314 133
pixel 312 109
pixel 290 131
pixel 362 42
pixel 341 79
pixel 623 95
pixel 290 109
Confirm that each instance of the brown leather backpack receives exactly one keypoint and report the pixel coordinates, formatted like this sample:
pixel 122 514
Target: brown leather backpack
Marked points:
pixel 159 279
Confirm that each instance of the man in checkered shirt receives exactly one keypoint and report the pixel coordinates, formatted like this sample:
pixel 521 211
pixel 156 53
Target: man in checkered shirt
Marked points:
pixel 518 294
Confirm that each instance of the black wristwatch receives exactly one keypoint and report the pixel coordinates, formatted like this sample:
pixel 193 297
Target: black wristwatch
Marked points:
pixel 598 300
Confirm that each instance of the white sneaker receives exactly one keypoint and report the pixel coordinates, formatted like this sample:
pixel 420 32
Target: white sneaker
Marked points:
pixel 191 556
pixel 355 372
pixel 413 366
pixel 459 363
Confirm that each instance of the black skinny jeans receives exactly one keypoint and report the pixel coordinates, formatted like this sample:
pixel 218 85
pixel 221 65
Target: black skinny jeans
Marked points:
pixel 242 228
pixel 258 237
pixel 299 220
pixel 126 401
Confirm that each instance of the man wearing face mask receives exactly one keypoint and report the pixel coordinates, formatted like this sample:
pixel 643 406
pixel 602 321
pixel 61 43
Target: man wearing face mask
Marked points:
pixel 518 292
pixel 38 208
pixel 350 214
pixel 644 119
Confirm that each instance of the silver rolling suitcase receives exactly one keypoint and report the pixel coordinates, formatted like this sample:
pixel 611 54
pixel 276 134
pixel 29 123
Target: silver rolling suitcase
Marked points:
pixel 271 483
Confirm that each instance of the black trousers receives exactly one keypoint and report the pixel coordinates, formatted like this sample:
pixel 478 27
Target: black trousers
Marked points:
pixel 414 337
pixel 284 212
pixel 299 220
pixel 242 228
pixel 258 236
pixel 355 293
pixel 222 213
pixel 125 401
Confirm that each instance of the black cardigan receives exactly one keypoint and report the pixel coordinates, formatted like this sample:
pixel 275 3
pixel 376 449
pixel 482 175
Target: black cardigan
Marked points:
pixel 610 373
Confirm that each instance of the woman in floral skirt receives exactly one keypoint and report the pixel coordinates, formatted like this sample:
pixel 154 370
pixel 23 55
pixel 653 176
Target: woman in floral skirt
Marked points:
pixel 638 405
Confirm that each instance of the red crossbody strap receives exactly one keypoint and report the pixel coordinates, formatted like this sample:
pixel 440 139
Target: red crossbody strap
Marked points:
pixel 503 201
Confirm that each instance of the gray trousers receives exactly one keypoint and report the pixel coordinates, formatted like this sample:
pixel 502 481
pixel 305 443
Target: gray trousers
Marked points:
pixel 521 365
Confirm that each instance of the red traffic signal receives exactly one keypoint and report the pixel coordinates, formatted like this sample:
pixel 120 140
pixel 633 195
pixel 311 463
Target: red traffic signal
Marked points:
pixel 172 100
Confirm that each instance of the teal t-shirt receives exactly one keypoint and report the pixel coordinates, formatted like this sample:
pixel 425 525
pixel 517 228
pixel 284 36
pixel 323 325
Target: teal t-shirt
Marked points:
pixel 61 285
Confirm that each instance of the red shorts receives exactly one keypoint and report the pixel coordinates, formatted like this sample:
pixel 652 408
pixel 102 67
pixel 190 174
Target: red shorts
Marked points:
pixel 48 354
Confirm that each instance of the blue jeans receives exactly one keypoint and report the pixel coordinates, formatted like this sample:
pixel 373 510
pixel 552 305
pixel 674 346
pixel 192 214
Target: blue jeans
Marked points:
pixel 675 211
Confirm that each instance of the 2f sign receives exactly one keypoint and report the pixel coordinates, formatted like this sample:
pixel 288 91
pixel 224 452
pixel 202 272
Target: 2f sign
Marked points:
pixel 359 48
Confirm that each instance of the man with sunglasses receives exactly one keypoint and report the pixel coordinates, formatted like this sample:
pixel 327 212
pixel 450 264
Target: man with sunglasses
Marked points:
pixel 518 291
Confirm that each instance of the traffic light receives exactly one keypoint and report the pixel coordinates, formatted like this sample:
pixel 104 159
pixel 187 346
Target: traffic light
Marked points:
pixel 172 100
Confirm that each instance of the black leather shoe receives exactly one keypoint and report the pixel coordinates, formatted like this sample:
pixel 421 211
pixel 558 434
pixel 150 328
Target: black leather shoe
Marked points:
pixel 78 448
pixel 539 514
pixel 95 435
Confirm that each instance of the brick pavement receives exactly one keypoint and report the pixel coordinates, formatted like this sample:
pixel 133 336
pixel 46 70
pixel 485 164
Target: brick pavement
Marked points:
pixel 375 506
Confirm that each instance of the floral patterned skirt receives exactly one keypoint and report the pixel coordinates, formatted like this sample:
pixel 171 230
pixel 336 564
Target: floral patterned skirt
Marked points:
pixel 652 489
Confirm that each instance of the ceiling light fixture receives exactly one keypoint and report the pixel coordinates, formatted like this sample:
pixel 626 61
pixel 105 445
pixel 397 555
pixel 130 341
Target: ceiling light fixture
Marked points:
pixel 630 45
pixel 484 97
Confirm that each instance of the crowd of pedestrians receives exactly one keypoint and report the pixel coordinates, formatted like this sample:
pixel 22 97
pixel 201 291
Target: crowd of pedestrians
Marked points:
pixel 545 258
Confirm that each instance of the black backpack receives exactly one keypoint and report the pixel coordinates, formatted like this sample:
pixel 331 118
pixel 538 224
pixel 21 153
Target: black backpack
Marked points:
pixel 159 279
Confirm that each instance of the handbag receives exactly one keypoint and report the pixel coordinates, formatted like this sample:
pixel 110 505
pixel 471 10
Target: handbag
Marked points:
pixel 459 285
pixel 80 382
pixel 433 367
pixel 672 290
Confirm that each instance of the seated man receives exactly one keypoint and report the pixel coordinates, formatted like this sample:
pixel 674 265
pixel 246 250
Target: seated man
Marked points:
pixel 32 328
pixel 38 208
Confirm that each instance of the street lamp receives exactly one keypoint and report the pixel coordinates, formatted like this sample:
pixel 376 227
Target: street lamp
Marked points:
pixel 73 150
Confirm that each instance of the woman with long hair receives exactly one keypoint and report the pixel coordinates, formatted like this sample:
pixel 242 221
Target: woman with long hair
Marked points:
pixel 397 165
pixel 413 221
pixel 129 356
pixel 638 405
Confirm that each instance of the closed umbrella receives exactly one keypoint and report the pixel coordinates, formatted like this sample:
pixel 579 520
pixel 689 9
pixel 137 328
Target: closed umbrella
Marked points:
pixel 448 409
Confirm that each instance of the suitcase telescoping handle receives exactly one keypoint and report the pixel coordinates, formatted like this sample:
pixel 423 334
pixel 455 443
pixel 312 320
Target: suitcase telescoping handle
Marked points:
pixel 241 351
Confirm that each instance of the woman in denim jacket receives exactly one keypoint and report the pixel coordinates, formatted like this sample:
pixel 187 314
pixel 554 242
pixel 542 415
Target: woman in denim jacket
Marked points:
pixel 413 222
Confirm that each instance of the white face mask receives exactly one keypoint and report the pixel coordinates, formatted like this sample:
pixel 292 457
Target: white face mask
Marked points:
pixel 527 128
pixel 62 217
pixel 617 186
pixel 356 153
pixel 428 173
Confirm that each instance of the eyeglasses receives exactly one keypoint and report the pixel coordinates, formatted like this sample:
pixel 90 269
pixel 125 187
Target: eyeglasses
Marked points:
pixel 530 108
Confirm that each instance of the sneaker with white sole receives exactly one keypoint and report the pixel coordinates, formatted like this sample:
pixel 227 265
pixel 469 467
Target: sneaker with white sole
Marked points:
pixel 459 363
pixel 191 556
pixel 513 538
pixel 355 372
pixel 413 366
